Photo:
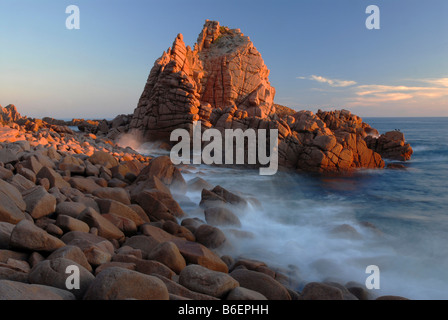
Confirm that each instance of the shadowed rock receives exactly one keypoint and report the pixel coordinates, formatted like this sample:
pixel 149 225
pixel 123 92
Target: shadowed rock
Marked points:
pixel 120 284
pixel 203 280
pixel 26 236
pixel 11 290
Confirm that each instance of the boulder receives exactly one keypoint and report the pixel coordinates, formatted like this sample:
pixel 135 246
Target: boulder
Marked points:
pixel 119 284
pixel 21 183
pixel 163 169
pixel 72 209
pixel 168 254
pixel 85 185
pixel 192 223
pixel 77 235
pixel 193 82
pixel 73 165
pixel 27 173
pixel 32 164
pixel 55 178
pixel 11 290
pixel 11 203
pixel 210 199
pixel 124 265
pixel 126 225
pixel 7 273
pixel 178 231
pixel 5 174
pixel 210 236
pixel 229 197
pixel 58 195
pixel 321 291
pixel 26 236
pixel 200 279
pixel 7 156
pixel 5 234
pixel 39 203
pixel 196 253
pixel 72 253
pixel 198 184
pixel 18 265
pixel 156 233
pixel 95 253
pixel 129 251
pixel 240 293
pixel 54 230
pixel 391 145
pixel 120 209
pixel 175 288
pixel 53 273
pixel 261 283
pixel 91 170
pixel 117 194
pixel 103 159
pixel 141 213
pixel 67 224
pixel 105 228
pixel 219 216
pixel 359 291
pixel 154 203
pixel 346 294
pixel 144 243
pixel 152 183
pixel 149 267
pixel 5 255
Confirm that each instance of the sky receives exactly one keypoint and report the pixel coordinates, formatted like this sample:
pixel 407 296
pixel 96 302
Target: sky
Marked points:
pixel 319 52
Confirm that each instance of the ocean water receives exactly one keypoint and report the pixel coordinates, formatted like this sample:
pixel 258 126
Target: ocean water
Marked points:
pixel 293 230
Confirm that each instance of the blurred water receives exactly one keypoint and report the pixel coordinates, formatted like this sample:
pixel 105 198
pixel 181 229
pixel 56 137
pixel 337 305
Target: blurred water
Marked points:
pixel 293 228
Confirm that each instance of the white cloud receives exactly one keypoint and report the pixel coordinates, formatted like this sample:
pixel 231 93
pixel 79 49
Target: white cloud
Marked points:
pixel 376 93
pixel 425 96
pixel 407 96
pixel 336 83
pixel 413 97
pixel 441 82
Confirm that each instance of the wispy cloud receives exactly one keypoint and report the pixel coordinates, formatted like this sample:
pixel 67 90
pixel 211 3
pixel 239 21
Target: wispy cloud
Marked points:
pixel 406 95
pixel 429 89
pixel 442 82
pixel 336 83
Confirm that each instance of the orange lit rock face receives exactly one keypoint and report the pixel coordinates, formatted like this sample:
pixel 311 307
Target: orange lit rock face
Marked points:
pixel 234 73
pixel 391 145
pixel 223 82
pixel 224 70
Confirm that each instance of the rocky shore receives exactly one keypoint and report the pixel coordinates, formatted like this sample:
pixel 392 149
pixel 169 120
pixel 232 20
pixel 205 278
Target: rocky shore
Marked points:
pixel 73 198
pixel 85 198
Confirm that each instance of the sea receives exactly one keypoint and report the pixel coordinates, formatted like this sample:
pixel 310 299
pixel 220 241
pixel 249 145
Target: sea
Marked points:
pixel 396 220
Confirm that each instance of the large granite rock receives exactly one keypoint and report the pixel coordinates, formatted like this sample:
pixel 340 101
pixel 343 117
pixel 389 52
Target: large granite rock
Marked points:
pixel 9 114
pixel 224 69
pixel 223 82
pixel 391 145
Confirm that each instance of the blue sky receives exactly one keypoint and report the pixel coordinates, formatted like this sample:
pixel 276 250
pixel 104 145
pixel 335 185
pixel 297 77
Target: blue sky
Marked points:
pixel 319 52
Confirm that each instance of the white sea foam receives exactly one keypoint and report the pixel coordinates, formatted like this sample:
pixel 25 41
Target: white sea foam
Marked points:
pixel 294 233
